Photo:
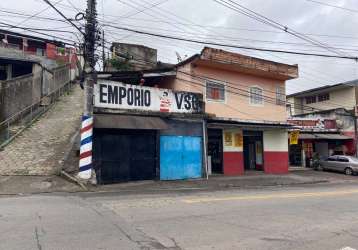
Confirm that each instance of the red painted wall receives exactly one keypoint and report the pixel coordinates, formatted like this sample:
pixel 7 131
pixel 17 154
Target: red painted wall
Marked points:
pixel 233 163
pixel 51 51
pixel 276 162
pixel 350 144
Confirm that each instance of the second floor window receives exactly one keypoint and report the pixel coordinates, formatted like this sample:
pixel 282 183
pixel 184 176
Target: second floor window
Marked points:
pixel 323 97
pixel 280 96
pixel 311 99
pixel 256 97
pixel 215 91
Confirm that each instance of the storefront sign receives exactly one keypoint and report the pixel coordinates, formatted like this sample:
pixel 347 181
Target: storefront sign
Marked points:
pixel 228 139
pixel 239 140
pixel 115 95
pixel 314 124
pixel 294 135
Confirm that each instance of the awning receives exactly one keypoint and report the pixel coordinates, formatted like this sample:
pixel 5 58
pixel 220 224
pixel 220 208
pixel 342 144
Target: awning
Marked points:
pixel 129 122
pixel 324 137
pixel 254 126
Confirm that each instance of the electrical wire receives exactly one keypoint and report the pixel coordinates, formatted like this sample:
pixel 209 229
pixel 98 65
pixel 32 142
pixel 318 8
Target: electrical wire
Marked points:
pixel 231 45
pixel 61 14
pixel 334 6
pixel 259 17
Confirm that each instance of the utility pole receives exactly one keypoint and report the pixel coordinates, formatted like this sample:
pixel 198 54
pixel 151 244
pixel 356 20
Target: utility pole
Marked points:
pixel 85 164
pixel 103 52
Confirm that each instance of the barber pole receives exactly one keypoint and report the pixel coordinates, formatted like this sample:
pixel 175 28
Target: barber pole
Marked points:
pixel 86 148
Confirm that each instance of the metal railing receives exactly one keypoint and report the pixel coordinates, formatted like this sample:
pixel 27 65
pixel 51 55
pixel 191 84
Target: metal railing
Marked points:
pixel 14 125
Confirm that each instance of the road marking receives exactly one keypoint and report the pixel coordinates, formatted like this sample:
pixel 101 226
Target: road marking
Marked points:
pixel 272 196
pixel 348 248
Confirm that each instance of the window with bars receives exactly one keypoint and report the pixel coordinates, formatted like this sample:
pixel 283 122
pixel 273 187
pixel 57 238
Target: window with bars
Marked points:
pixel 256 97
pixel 280 96
pixel 323 97
pixel 215 91
pixel 311 99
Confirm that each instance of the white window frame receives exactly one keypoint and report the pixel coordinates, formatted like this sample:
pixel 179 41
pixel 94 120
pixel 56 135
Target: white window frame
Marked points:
pixel 282 101
pixel 215 82
pixel 262 96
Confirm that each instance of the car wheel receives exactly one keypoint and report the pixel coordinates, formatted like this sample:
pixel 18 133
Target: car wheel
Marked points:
pixel 348 171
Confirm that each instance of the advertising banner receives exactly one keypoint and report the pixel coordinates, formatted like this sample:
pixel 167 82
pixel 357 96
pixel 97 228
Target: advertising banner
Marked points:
pixel 116 95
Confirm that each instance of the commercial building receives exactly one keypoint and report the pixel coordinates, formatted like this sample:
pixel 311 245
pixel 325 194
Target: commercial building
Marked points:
pixel 145 132
pixel 216 112
pixel 326 119
pixel 245 103
pixel 322 134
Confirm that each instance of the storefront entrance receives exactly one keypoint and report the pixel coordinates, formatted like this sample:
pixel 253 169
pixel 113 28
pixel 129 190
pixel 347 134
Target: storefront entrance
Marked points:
pixel 215 150
pixel 253 150
pixel 125 155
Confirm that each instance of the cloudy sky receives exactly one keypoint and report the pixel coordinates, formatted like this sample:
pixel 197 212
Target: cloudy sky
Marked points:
pixel 207 20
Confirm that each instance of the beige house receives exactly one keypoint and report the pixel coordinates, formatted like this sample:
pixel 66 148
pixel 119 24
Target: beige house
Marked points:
pixel 342 95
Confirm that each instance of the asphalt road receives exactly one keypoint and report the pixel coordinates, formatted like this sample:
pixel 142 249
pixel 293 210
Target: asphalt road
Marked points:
pixel 308 217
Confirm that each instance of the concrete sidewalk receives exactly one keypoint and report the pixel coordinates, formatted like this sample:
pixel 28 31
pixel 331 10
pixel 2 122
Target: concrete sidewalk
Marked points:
pixel 18 185
pixel 252 179
pixel 12 185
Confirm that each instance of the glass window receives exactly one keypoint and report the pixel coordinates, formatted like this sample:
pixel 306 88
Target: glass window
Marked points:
pixel 343 159
pixel 280 96
pixel 215 91
pixel 323 97
pixel 256 96
pixel 311 99
pixel 331 158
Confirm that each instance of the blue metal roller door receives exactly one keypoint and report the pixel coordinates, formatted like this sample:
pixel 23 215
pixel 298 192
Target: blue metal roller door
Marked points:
pixel 180 157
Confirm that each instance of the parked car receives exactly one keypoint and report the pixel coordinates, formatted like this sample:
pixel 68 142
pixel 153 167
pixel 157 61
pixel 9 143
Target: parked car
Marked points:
pixel 339 163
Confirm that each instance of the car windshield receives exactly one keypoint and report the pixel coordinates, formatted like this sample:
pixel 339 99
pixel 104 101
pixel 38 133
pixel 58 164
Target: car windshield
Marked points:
pixel 353 159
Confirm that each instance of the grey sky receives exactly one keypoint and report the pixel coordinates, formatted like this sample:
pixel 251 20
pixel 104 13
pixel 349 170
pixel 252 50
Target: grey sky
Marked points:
pixel 207 20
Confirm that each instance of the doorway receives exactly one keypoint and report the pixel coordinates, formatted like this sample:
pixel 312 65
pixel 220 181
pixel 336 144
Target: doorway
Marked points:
pixel 253 150
pixel 125 155
pixel 215 150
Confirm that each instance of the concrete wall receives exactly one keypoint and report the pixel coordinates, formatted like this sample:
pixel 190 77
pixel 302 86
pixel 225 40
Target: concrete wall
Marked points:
pixel 55 79
pixel 142 57
pixel 236 105
pixel 275 151
pixel 19 93
pixel 233 156
pixel 345 97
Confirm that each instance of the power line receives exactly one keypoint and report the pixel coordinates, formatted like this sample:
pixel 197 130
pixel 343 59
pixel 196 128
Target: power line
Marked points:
pixel 231 28
pixel 230 38
pixel 41 33
pixel 40 29
pixel 259 17
pixel 230 45
pixel 38 13
pixel 67 19
pixel 161 20
pixel 334 6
